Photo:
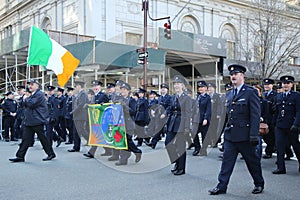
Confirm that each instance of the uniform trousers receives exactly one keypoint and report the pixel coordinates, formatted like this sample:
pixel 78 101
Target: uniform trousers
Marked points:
pixel 231 151
pixel 8 124
pixel 28 138
pixel 283 136
pixel 79 130
pixel 176 147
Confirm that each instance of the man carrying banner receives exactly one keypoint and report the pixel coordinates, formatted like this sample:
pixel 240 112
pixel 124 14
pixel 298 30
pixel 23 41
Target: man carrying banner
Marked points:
pixel 129 109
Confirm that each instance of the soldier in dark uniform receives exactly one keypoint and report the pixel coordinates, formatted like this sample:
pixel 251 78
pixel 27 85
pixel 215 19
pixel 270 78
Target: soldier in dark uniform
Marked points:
pixel 9 108
pixel 201 119
pixel 163 102
pixel 241 131
pixel 68 115
pixel 80 116
pixel 61 100
pixel 53 117
pixel 287 115
pixel 216 104
pixel 270 96
pixel 178 124
pixel 20 112
pixel 99 98
pixel 142 117
pixel 36 118
pixel 128 104
pixel 111 90
pixel 153 104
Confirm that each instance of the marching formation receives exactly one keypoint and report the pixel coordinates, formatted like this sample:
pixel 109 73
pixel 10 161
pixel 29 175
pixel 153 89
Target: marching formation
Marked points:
pixel 185 123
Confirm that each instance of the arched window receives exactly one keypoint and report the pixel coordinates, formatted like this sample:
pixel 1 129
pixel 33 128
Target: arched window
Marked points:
pixel 190 24
pixel 46 24
pixel 229 34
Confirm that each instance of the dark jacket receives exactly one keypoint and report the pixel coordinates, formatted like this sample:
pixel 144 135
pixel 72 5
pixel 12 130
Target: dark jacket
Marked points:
pixel 142 111
pixel 287 110
pixel 202 109
pixel 79 109
pixel 271 98
pixel 36 110
pixel 68 107
pixel 243 113
pixel 8 106
pixel 128 105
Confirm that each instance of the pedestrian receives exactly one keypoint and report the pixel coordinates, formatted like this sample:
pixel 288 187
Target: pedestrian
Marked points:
pixel 68 116
pixel 80 116
pixel 36 118
pixel 287 115
pixel 241 131
pixel 9 107
pixel 178 124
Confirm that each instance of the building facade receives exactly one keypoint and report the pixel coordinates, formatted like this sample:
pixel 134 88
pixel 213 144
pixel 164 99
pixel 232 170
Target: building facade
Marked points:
pixel 206 36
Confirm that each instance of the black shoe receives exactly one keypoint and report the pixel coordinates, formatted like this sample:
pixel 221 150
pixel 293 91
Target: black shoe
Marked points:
pixel 277 171
pixel 88 154
pixel 14 140
pixel 195 153
pixel 191 146
pixel 59 141
pixel 113 158
pixel 17 159
pixel 139 145
pixel 179 172
pixel 149 144
pixel 221 149
pixel 121 163
pixel 267 156
pixel 73 150
pixel 49 157
pixel 106 154
pixel 216 191
pixel 7 140
pixel 138 157
pixel 287 158
pixel 257 189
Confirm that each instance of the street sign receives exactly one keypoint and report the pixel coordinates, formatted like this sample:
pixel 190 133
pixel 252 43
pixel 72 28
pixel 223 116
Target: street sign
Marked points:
pixel 143 54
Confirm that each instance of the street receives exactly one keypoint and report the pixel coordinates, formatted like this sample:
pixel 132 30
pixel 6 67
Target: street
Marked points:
pixel 72 176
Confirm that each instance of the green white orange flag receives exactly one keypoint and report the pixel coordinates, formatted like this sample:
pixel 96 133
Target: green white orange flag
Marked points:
pixel 47 52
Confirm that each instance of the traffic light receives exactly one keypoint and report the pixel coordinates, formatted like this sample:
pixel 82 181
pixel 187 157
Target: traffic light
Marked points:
pixel 167 30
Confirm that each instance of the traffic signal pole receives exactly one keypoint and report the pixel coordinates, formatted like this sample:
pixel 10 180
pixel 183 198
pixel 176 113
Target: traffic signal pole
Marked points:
pixel 145 8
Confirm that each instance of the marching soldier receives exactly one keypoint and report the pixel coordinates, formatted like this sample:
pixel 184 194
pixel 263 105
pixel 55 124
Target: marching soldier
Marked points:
pixel 99 98
pixel 287 115
pixel 152 101
pixel 80 116
pixel 164 101
pixel 20 112
pixel 128 104
pixel 201 119
pixel 61 99
pixel 111 90
pixel 142 117
pixel 241 131
pixel 9 107
pixel 178 124
pixel 68 115
pixel 216 104
pixel 270 96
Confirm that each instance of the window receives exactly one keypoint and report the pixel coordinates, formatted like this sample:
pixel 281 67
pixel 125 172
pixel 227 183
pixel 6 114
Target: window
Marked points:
pixel 229 34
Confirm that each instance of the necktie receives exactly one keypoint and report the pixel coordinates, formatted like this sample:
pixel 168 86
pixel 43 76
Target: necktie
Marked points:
pixel 234 92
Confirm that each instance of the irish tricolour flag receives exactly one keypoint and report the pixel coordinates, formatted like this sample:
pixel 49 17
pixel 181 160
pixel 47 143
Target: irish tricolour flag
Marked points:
pixel 47 52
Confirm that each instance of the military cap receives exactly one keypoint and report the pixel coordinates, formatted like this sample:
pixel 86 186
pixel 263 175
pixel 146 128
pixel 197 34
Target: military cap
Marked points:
pixel 278 85
pixel 21 87
pixel 236 68
pixel 153 92
pixel 119 82
pixel 268 81
pixel 164 85
pixel 201 84
pixel 32 81
pixel 8 93
pixel 96 82
pixel 110 85
pixel 60 89
pixel 50 87
pixel 228 86
pixel 81 83
pixel 70 89
pixel 126 86
pixel 179 79
pixel 141 90
pixel 211 85
pixel 287 79
pixel 135 94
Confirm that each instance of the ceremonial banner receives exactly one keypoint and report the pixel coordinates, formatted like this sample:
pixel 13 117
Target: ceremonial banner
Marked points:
pixel 107 127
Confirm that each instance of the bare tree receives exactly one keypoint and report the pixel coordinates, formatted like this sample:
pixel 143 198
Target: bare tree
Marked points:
pixel 276 37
